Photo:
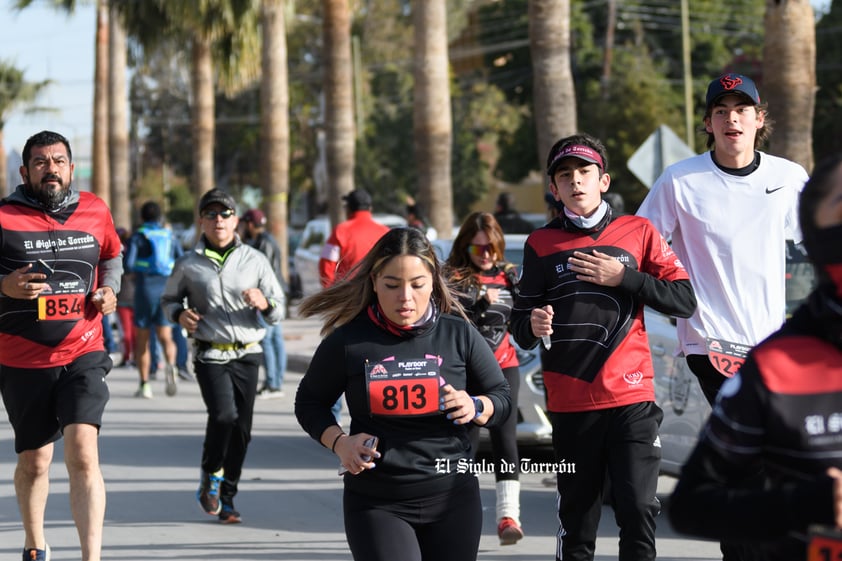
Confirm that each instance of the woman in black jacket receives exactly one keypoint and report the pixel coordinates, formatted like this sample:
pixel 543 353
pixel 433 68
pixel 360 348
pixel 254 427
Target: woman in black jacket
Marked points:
pixel 414 375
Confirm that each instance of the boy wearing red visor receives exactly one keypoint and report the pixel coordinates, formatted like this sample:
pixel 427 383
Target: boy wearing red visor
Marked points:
pixel 586 278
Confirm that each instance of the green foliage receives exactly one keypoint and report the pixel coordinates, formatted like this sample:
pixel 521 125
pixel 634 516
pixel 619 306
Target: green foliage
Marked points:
pixel 493 121
pixel 826 138
pixel 15 90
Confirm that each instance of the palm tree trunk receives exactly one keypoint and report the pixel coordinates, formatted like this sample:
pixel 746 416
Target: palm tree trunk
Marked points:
pixel 789 66
pixel 554 97
pixel 118 131
pixel 339 105
pixel 432 119
pixel 274 123
pixel 99 150
pixel 202 116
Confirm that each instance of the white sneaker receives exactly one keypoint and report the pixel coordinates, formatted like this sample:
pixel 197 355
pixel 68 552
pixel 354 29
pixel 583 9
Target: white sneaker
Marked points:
pixel 144 391
pixel 171 373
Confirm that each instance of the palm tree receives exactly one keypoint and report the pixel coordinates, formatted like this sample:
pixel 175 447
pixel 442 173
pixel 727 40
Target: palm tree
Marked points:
pixel 118 132
pixel 432 119
pixel 14 91
pixel 222 31
pixel 554 96
pixel 99 146
pixel 99 156
pixel 789 68
pixel 274 122
pixel 339 104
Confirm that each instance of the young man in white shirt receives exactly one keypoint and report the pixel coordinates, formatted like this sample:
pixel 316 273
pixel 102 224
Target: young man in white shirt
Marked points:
pixel 729 213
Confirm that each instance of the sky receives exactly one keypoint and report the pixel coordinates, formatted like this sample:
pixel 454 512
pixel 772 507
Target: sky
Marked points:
pixel 48 44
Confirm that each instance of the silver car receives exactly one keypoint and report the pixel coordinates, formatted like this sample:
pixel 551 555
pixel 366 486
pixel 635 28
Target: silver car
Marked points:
pixel 533 425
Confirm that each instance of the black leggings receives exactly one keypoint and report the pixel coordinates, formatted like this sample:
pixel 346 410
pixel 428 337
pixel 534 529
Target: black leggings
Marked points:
pixel 710 379
pixel 504 436
pixel 443 527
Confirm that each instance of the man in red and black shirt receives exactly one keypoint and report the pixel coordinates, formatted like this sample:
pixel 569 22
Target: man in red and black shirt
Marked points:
pixel 60 268
pixel 586 277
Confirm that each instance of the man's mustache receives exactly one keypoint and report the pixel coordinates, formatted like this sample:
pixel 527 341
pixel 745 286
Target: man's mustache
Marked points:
pixel 52 177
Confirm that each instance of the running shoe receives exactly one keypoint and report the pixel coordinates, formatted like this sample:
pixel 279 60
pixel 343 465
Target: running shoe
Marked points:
pixel 144 391
pixel 171 374
pixel 229 515
pixel 37 554
pixel 208 493
pixel 270 393
pixel 509 531
pixel 184 374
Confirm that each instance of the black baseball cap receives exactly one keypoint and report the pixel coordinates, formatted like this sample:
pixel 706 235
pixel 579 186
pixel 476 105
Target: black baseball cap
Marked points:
pixel 217 196
pixel 732 83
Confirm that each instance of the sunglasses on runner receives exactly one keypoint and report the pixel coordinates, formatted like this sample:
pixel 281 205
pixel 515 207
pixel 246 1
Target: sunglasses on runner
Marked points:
pixel 212 214
pixel 480 250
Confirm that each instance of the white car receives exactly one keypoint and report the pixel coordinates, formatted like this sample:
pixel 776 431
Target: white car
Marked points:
pixel 315 234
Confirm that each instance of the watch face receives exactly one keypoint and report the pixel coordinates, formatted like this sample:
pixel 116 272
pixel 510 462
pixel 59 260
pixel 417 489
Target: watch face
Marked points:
pixel 479 406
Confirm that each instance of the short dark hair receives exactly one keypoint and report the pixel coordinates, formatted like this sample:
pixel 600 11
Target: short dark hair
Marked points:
pixel 150 212
pixel 44 138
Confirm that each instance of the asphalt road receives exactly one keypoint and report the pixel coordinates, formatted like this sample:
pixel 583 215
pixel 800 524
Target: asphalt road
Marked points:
pixel 290 495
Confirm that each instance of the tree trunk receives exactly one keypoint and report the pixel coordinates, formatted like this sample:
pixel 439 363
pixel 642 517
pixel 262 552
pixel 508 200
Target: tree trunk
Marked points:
pixel 99 150
pixel 118 129
pixel 554 97
pixel 202 116
pixel 789 68
pixel 432 119
pixel 339 105
pixel 274 124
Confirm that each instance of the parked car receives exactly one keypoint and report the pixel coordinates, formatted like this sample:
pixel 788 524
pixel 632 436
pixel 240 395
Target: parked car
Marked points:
pixel 315 234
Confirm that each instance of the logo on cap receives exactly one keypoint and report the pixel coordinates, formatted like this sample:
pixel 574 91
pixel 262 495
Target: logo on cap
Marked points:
pixel 730 82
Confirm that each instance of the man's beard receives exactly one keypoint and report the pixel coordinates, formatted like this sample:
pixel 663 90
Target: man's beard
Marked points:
pixel 51 199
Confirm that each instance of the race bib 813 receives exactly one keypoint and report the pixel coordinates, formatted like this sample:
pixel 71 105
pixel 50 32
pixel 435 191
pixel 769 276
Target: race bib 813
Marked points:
pixel 403 387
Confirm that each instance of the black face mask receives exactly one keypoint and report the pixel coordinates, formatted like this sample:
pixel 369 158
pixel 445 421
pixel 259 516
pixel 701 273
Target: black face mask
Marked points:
pixel 825 249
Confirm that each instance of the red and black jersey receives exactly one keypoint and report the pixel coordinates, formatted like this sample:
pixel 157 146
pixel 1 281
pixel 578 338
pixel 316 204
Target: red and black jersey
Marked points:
pixel 759 470
pixel 492 319
pixel 600 352
pixel 62 323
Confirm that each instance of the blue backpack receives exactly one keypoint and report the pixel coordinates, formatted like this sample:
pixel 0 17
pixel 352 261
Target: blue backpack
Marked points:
pixel 160 261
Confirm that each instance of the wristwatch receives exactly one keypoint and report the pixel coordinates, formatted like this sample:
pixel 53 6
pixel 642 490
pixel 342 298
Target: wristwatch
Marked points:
pixel 478 405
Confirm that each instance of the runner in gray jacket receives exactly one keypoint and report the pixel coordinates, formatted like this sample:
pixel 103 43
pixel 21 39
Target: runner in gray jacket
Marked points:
pixel 218 293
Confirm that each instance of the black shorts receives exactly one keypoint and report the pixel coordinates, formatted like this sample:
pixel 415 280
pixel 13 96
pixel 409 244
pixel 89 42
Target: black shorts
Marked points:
pixel 41 402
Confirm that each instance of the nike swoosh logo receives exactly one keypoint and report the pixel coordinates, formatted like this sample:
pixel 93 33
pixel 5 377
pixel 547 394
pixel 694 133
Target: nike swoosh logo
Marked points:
pixel 769 191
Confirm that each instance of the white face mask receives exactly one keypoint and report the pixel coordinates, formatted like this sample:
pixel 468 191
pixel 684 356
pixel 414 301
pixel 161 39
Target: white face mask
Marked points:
pixel 587 222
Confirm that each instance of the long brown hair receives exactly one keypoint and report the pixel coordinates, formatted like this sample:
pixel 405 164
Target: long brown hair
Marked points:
pixel 345 300
pixel 459 269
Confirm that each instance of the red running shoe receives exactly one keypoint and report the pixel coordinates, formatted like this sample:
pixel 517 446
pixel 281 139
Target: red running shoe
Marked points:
pixel 508 531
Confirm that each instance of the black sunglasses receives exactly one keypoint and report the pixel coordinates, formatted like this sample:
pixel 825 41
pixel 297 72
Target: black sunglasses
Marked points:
pixel 212 214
